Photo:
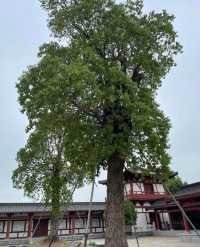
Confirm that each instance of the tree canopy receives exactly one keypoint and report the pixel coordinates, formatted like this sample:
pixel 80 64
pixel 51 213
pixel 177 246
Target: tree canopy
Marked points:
pixel 43 156
pixel 101 80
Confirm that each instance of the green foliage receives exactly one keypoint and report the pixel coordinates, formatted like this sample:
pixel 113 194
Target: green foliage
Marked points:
pixel 130 213
pixel 43 168
pixel 91 244
pixel 175 184
pixel 100 82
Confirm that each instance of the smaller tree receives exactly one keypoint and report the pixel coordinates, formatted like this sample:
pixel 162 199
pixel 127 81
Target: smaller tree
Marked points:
pixel 45 173
pixel 130 213
pixel 175 184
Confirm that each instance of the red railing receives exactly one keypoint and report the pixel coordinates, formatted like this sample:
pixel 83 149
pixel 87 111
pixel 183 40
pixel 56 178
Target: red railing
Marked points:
pixel 18 233
pixel 138 195
pixel 81 230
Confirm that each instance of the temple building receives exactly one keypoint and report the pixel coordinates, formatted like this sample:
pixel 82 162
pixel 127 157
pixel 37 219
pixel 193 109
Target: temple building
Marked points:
pixel 154 206
pixel 189 198
pixel 155 210
pixel 25 220
pixel 144 191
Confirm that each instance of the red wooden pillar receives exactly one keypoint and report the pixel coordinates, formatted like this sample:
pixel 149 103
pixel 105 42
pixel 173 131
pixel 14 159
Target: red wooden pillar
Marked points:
pixel 103 222
pixel 72 223
pixel 30 225
pixel 8 227
pixel 157 221
pixel 90 225
pixel 163 222
pixel 170 221
pixel 185 224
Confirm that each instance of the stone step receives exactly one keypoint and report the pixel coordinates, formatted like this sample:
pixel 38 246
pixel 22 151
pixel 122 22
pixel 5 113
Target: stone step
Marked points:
pixel 14 242
pixel 3 243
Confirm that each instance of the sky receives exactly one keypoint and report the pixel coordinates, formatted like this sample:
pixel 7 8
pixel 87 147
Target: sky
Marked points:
pixel 23 28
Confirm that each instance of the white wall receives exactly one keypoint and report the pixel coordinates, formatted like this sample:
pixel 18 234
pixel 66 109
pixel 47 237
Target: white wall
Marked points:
pixel 18 226
pixel 3 235
pixel 141 220
pixel 138 187
pixel 160 188
pixel 127 189
pixel 62 224
pixel 164 217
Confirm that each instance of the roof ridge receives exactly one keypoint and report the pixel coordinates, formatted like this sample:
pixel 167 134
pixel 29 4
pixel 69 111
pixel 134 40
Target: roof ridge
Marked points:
pixel 189 185
pixel 43 203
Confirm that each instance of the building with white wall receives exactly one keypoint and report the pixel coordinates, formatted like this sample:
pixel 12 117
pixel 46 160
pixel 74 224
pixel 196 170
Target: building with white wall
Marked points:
pixel 26 220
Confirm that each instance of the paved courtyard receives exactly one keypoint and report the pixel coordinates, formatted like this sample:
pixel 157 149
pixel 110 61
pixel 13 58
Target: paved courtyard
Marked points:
pixel 157 242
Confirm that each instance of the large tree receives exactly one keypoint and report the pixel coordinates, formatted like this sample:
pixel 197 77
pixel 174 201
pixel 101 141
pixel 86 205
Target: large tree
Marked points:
pixel 99 80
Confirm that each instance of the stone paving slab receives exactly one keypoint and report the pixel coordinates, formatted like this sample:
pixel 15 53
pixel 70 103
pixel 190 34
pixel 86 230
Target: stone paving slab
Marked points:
pixel 156 242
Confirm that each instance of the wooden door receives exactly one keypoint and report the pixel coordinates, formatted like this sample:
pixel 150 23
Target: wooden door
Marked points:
pixel 41 228
pixel 148 188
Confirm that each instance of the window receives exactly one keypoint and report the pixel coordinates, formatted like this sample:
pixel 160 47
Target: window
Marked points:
pixel 95 222
pixel 160 188
pixel 127 189
pixel 138 188
pixel 147 218
pixel 67 223
pixel 80 223
pixel 2 224
pixel 63 224
pixel 18 226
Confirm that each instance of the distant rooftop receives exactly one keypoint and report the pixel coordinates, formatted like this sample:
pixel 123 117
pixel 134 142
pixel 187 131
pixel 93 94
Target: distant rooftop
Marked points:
pixel 187 191
pixel 129 173
pixel 40 207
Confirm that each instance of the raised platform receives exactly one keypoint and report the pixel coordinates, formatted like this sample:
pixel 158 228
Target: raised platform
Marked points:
pixel 15 242
pixel 190 237
pixel 169 233
pixel 26 241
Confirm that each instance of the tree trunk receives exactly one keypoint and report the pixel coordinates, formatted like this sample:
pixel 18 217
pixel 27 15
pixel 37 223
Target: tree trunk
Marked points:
pixel 55 215
pixel 54 228
pixel 55 204
pixel 115 227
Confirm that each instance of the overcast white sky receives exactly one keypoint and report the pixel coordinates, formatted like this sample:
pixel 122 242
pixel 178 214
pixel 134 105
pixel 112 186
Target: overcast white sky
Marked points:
pixel 23 29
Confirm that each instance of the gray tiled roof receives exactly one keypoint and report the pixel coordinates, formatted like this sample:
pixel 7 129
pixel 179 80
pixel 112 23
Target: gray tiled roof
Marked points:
pixel 162 204
pixel 40 207
pixel 189 190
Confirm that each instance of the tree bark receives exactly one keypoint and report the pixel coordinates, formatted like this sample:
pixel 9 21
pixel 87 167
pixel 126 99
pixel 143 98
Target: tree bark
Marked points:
pixel 55 204
pixel 115 226
pixel 55 215
pixel 54 228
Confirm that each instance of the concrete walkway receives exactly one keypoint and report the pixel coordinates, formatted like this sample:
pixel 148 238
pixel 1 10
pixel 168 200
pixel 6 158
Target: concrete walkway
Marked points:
pixel 155 242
